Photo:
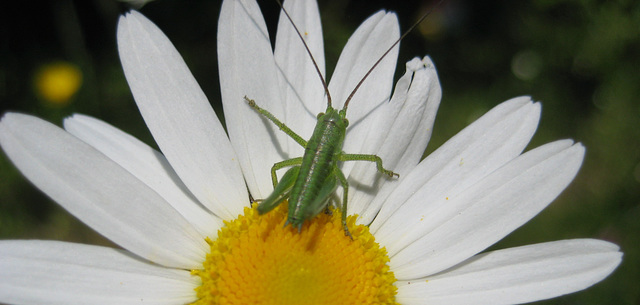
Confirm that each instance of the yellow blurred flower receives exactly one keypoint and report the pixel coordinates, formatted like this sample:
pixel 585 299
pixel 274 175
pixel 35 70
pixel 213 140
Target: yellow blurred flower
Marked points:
pixel 57 82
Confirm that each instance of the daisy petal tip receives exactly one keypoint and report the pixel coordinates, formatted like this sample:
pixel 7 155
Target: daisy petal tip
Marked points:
pixel 123 21
pixel 392 14
pixel 577 149
pixel 69 120
pixel 384 12
pixel 536 109
pixel 414 64
pixel 580 151
pixel 8 116
pixel 122 28
pixel 390 17
pixel 525 99
pixel 5 116
pixel 13 119
pixel 131 21
pixel 131 14
pixel 608 246
pixel 76 120
pixel 580 148
pixel 428 62
pixel 536 104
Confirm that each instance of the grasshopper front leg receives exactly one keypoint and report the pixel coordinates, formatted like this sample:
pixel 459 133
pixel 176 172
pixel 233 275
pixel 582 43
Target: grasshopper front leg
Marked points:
pixel 277 122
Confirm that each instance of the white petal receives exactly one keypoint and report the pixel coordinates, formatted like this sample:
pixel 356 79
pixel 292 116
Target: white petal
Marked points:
pixel 146 164
pixel 100 192
pixel 367 44
pixel 475 152
pixel 50 272
pixel 179 116
pixel 247 68
pixel 486 212
pixel 364 48
pixel 303 93
pixel 136 3
pixel 400 137
pixel 517 275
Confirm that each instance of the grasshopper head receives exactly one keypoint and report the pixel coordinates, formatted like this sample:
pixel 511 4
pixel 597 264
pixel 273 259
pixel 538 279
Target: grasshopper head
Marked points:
pixel 334 116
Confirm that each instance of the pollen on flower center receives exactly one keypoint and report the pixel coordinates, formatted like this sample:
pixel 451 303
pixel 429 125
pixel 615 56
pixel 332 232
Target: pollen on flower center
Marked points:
pixel 255 260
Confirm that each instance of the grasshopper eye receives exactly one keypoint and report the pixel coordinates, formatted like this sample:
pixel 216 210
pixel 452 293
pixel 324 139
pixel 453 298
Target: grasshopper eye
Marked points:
pixel 319 115
pixel 346 122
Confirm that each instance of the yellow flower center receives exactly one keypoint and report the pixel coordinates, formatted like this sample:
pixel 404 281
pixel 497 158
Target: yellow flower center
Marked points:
pixel 256 260
pixel 56 83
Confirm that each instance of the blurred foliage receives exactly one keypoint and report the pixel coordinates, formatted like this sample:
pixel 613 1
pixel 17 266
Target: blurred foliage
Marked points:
pixel 581 58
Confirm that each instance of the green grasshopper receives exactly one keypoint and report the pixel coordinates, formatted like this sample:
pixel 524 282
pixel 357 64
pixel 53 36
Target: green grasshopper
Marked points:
pixel 313 178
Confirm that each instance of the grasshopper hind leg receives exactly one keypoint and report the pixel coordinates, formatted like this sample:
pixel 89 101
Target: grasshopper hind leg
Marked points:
pixel 281 191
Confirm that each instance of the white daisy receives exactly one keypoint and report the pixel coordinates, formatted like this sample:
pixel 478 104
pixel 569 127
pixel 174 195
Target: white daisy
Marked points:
pixel 167 209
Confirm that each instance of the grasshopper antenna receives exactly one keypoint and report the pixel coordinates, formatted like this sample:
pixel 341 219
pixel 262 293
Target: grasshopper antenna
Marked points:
pixel 315 65
pixel 346 103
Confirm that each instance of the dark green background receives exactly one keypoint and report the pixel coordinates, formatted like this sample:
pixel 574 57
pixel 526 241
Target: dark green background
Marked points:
pixel 586 54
